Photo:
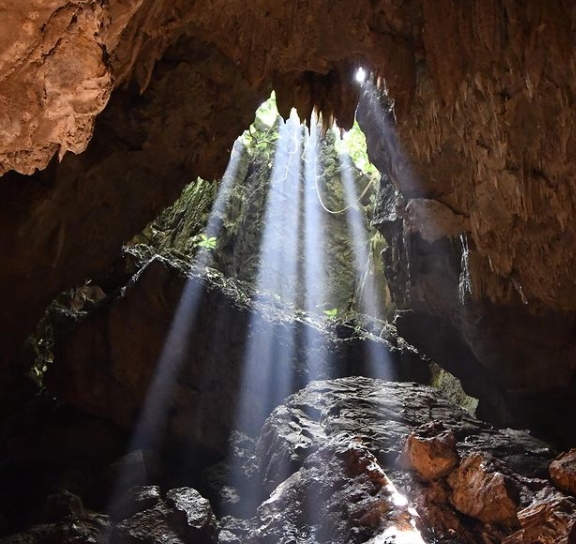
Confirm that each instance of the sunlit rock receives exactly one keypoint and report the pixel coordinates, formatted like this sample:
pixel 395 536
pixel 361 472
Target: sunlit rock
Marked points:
pixel 563 471
pixel 551 519
pixel 481 491
pixel 340 495
pixel 430 452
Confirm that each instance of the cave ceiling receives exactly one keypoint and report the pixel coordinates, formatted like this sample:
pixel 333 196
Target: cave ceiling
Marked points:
pixel 109 107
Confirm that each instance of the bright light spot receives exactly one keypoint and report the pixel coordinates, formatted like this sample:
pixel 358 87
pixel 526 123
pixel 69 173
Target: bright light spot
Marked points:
pixel 360 76
pixel 401 536
pixel 399 500
pixel 398 535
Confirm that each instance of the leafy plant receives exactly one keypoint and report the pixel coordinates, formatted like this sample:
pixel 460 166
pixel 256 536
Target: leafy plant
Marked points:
pixel 353 142
pixel 331 314
pixel 207 242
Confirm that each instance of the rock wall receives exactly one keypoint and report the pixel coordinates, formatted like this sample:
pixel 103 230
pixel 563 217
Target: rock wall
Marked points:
pixel 153 93
pixel 171 345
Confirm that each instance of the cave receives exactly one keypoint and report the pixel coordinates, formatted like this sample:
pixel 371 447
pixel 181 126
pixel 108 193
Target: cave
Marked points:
pixel 220 327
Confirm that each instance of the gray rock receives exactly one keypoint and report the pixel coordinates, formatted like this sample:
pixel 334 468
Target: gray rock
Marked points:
pixel 134 500
pixel 184 517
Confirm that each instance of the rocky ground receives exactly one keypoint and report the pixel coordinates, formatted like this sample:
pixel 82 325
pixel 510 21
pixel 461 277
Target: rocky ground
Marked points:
pixel 352 459
pixel 137 438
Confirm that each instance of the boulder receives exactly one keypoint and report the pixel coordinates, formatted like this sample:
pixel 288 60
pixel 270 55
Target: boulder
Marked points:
pixel 184 517
pixel 300 443
pixel 340 495
pixel 483 492
pixel 430 452
pixel 563 471
pixel 548 520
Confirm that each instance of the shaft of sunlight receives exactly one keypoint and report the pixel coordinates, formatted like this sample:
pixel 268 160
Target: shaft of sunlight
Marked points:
pixel 314 255
pixel 267 375
pixel 370 298
pixel 371 303
pixel 153 418
pixel 267 372
pixel 177 342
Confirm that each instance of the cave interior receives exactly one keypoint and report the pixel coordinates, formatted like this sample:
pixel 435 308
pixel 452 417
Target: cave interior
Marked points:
pixel 288 271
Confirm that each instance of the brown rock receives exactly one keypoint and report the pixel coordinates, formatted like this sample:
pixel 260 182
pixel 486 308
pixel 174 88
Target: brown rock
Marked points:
pixel 481 491
pixel 432 502
pixel 563 471
pixel 430 452
pixel 550 521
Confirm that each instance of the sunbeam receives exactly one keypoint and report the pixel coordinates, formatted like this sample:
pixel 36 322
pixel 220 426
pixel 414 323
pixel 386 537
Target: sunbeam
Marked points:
pixel 152 421
pixel 267 375
pixel 370 298
pixel 314 253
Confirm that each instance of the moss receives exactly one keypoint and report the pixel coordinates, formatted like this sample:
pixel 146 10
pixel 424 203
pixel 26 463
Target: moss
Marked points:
pixel 177 231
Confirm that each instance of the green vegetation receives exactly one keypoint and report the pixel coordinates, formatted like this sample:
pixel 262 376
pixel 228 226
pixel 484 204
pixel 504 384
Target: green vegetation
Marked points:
pixel 331 314
pixel 353 143
pixel 207 242
pixel 235 246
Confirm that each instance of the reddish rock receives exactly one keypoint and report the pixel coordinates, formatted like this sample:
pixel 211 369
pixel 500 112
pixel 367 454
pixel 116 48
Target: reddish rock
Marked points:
pixel 430 452
pixel 549 521
pixel 481 491
pixel 563 471
pixel 432 502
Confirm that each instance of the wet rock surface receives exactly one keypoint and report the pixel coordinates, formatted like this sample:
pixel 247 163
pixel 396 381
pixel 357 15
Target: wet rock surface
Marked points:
pixel 495 491
pixel 183 517
pixel 325 469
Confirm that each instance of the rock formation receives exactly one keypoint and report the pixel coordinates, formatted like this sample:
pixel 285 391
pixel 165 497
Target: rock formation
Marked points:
pixel 110 108
pixel 326 469
pixel 173 345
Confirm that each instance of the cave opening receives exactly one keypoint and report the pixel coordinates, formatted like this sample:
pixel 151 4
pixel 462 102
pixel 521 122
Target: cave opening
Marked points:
pixel 277 276
pixel 159 406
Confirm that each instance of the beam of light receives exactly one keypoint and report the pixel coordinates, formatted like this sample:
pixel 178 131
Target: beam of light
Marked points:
pixel 314 254
pixel 267 371
pixel 369 295
pixel 398 167
pixel 267 374
pixel 151 423
pixel 402 518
